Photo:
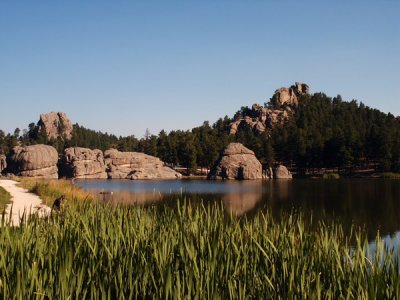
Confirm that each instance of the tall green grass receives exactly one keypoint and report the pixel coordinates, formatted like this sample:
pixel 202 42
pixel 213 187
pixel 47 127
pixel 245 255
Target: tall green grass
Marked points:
pixel 4 199
pixel 112 252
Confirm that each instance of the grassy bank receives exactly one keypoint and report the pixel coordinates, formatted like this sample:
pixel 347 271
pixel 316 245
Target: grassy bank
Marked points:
pixel 49 190
pixel 95 251
pixel 4 199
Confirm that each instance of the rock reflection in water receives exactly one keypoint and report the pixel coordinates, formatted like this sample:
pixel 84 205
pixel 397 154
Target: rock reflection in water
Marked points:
pixel 235 203
pixel 240 204
pixel 126 197
pixel 368 203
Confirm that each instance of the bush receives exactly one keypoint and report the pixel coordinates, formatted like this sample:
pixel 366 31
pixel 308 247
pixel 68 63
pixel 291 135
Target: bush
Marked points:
pixel 331 176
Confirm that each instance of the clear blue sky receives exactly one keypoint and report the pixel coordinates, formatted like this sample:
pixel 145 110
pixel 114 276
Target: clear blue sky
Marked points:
pixel 124 66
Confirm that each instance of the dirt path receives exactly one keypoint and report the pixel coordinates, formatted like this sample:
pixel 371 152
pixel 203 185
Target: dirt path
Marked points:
pixel 22 201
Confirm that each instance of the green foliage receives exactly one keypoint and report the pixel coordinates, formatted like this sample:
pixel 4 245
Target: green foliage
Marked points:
pixel 83 137
pixel 331 176
pixel 322 132
pixel 113 252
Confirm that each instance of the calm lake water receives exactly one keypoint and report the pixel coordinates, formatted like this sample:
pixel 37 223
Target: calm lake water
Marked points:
pixel 373 203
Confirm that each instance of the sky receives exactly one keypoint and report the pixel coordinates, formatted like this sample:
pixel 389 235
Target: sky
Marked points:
pixel 126 66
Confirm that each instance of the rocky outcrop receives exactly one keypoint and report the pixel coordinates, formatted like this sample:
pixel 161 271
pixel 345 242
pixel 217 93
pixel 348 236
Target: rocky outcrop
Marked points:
pixel 264 118
pixel 281 172
pixel 55 125
pixel 80 162
pixel 247 123
pixel 34 161
pixel 3 163
pixel 135 165
pixel 283 104
pixel 236 162
pixel 289 96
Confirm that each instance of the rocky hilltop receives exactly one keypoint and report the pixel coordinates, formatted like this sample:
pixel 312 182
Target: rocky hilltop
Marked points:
pixel 34 161
pixel 290 96
pixel 136 165
pixel 283 103
pixel 236 162
pixel 55 125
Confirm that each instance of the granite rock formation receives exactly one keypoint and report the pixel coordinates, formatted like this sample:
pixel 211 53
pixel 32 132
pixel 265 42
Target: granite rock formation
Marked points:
pixel 80 162
pixel 283 104
pixel 55 125
pixel 281 172
pixel 289 96
pixel 135 165
pixel 264 118
pixel 236 162
pixel 34 161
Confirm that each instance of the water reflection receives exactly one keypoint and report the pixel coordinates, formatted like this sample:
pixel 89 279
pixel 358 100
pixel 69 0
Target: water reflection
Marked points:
pixel 126 197
pixel 390 241
pixel 370 203
pixel 240 204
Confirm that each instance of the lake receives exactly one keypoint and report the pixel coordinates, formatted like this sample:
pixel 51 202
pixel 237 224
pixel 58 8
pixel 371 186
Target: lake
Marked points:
pixel 370 203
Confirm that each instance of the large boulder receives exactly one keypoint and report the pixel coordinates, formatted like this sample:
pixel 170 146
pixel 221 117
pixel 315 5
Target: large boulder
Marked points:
pixel 55 125
pixel 281 172
pixel 3 163
pixel 34 161
pixel 80 162
pixel 236 162
pixel 136 165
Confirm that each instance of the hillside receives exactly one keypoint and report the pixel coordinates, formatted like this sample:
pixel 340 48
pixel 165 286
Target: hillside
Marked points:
pixel 305 131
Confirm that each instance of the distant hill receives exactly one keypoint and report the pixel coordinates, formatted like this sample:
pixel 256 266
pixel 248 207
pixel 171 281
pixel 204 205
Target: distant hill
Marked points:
pixel 304 131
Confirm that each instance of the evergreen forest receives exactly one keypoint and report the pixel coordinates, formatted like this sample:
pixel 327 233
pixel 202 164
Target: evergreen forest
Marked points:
pixel 322 132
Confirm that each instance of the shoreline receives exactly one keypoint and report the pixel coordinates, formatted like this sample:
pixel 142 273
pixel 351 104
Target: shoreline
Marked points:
pixel 22 201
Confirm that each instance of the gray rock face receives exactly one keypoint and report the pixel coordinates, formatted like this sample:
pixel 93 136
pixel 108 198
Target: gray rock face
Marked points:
pixel 281 172
pixel 289 96
pixel 34 161
pixel 236 162
pixel 265 118
pixel 135 165
pixel 3 163
pixel 261 118
pixel 80 162
pixel 56 125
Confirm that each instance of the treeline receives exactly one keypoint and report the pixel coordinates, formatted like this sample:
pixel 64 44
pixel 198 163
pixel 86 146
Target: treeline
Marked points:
pixel 322 132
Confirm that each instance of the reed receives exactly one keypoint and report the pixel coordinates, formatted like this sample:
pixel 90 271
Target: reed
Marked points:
pixel 115 252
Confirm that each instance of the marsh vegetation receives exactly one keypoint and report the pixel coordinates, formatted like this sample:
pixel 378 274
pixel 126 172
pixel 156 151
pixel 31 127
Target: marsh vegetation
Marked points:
pixel 93 250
